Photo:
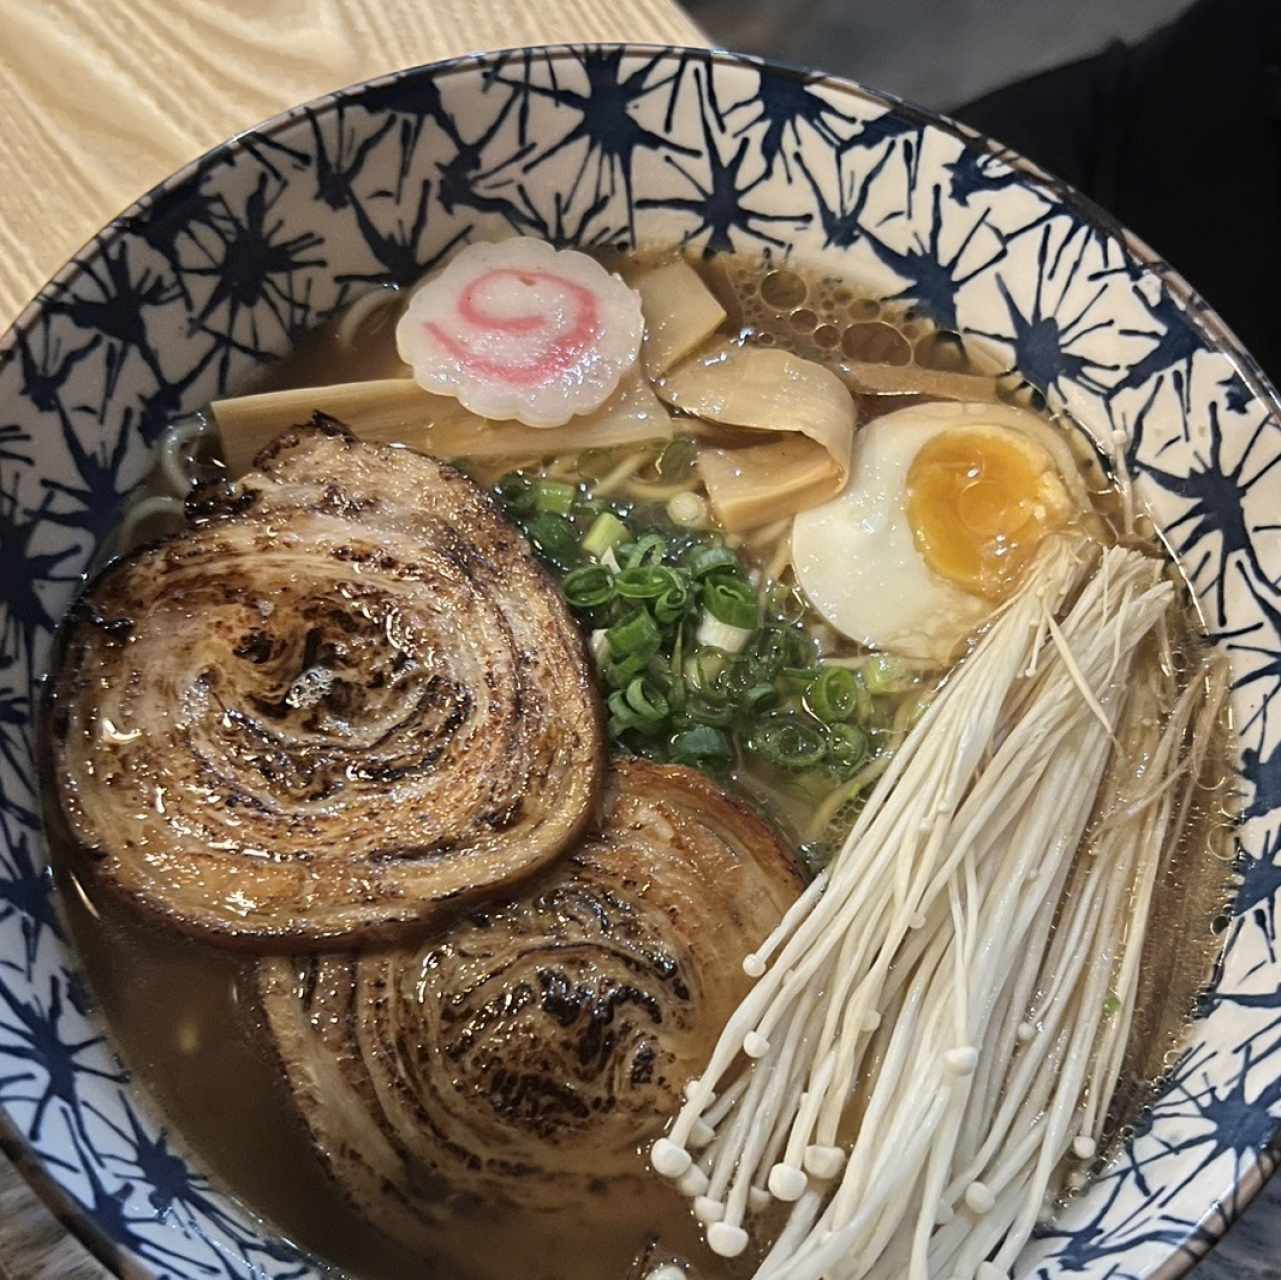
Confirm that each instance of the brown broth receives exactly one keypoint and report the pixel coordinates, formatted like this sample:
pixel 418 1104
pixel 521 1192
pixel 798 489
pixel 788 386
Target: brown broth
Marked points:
pixel 188 1026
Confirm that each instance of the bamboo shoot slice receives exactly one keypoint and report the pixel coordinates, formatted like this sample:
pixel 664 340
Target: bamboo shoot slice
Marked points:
pixel 398 411
pixel 760 389
pixel 877 379
pixel 681 313
pixel 755 486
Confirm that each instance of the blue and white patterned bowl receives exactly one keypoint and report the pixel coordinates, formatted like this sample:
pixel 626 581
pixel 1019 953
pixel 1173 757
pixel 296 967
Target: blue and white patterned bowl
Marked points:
pixel 221 268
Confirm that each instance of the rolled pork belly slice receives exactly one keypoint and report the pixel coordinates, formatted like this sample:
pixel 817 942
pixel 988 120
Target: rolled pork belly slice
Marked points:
pixel 345 699
pixel 527 1054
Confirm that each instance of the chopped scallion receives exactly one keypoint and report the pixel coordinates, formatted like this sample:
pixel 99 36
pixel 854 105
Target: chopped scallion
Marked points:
pixel 715 634
pixel 620 672
pixel 702 560
pixel 702 746
pixel 647 701
pixel 833 694
pixel 846 749
pixel 554 496
pixel 634 636
pixel 788 743
pixel 645 582
pixel 517 493
pixel 673 603
pixel 649 550
pixel 697 664
pixel 704 666
pixel 607 531
pixel 588 587
pixel 553 535
pixel 884 673
pixel 731 600
pixel 760 697
pixel 700 709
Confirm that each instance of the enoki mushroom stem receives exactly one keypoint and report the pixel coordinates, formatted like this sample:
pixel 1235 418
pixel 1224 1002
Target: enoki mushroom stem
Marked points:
pixel 947 991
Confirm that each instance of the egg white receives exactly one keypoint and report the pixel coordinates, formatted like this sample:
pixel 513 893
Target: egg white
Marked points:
pixel 856 559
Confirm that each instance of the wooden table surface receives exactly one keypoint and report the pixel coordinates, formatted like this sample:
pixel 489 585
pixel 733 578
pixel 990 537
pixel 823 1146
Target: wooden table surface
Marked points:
pixel 101 99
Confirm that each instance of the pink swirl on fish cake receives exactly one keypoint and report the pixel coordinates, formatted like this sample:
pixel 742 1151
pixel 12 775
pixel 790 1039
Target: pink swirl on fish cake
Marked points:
pixel 518 329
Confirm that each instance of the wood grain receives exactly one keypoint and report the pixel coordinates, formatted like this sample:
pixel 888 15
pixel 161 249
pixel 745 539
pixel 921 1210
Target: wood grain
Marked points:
pixel 101 99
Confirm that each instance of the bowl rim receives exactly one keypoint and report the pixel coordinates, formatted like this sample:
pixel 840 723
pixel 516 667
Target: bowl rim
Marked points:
pixel 1204 1233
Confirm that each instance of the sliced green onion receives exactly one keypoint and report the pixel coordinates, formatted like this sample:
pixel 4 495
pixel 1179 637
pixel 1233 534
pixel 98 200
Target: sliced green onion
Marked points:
pixel 833 695
pixel 607 531
pixel 554 496
pixel 716 634
pixel 634 636
pixel 673 603
pixel 671 686
pixel 760 697
pixel 884 673
pixel 702 746
pixel 647 701
pixel 598 646
pixel 622 718
pixel 702 560
pixel 645 582
pixel 588 587
pixel 802 646
pixel 516 493
pixel 846 749
pixel 677 459
pixel 632 709
pixel 553 534
pixel 731 600
pixel 649 550
pixel 619 673
pixel 737 676
pixel 700 709
pixel 798 677
pixel 704 666
pixel 772 651
pixel 788 743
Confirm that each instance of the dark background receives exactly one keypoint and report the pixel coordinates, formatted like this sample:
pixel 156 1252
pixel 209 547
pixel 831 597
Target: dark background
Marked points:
pixel 1166 112
pixel 935 52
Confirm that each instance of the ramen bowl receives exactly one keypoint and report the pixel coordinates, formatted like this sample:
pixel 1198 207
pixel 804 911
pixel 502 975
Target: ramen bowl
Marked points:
pixel 220 270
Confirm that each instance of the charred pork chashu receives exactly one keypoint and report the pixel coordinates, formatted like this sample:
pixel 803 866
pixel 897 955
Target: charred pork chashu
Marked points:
pixel 345 697
pixel 528 1051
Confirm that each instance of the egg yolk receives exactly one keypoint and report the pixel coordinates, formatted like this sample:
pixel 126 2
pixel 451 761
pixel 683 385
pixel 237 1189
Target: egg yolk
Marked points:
pixel 979 502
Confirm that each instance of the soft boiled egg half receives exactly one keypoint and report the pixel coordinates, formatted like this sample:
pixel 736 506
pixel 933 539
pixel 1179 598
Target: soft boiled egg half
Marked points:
pixel 946 505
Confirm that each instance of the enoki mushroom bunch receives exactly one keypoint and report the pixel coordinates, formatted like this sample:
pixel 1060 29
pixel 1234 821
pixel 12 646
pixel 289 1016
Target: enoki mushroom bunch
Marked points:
pixel 939 1022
